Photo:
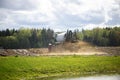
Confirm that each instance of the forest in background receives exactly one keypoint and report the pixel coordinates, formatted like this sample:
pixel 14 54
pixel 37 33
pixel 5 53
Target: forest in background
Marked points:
pixel 102 36
pixel 40 38
pixel 26 38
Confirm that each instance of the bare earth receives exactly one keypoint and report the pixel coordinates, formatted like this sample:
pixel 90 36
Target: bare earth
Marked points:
pixel 90 51
pixel 44 51
pixel 80 48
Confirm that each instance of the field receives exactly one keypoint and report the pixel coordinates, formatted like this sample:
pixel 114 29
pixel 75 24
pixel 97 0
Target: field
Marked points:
pixel 31 67
pixel 40 63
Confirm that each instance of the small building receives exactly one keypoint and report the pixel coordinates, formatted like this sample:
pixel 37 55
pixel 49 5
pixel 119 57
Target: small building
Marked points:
pixel 60 37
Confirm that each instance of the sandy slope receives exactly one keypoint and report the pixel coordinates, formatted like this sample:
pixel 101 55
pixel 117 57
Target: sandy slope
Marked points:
pixel 79 48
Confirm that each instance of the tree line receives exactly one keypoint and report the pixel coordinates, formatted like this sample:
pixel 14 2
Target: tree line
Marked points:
pixel 39 38
pixel 26 38
pixel 72 36
pixel 101 36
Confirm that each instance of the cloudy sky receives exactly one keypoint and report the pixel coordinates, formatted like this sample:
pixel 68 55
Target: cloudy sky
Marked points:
pixel 59 14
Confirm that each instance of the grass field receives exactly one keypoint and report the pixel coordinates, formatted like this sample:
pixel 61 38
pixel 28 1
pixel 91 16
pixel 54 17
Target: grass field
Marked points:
pixel 21 67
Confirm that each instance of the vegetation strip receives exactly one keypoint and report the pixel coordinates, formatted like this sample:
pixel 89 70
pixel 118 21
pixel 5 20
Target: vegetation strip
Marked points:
pixel 40 38
pixel 12 68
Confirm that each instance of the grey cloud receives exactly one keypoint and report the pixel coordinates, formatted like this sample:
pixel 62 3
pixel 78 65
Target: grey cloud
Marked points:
pixel 2 17
pixel 64 20
pixel 73 1
pixel 32 23
pixel 77 20
pixel 17 4
pixel 115 20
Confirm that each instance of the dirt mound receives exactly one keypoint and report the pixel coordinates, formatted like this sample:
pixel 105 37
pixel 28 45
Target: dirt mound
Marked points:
pixel 23 52
pixel 67 48
pixel 71 47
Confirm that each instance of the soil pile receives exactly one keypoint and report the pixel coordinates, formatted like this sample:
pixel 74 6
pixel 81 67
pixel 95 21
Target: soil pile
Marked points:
pixel 67 48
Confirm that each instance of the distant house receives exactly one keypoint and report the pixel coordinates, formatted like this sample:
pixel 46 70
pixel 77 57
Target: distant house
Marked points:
pixel 60 37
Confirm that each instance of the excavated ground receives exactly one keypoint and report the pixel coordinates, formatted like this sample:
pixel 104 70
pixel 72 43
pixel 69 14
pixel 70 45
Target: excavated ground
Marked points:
pixel 79 48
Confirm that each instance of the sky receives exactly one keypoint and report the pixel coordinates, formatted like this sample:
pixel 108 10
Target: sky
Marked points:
pixel 59 15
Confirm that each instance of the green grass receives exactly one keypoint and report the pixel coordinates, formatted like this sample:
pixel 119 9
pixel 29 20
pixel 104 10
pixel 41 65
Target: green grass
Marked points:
pixel 12 68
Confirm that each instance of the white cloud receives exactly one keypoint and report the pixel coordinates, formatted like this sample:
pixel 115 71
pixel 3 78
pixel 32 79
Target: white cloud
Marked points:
pixel 59 13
